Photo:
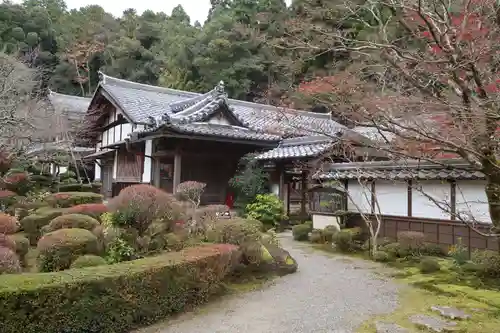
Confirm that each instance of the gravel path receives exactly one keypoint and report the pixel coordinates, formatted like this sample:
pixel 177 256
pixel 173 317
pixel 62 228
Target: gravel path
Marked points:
pixel 328 294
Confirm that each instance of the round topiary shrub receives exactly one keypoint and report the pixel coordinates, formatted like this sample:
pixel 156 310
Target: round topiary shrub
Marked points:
pixel 93 210
pixel 234 231
pixel 7 241
pixel 58 249
pixel 33 224
pixel 8 224
pixel 21 246
pixel 429 265
pixel 88 260
pixel 138 206
pixel 18 182
pixel 316 236
pixel 9 262
pixel 328 232
pixel 381 256
pixel 301 231
pixel 7 198
pixel 72 221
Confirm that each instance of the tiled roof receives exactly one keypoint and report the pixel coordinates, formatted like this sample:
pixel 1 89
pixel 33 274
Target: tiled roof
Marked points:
pixel 142 102
pixel 222 130
pixel 404 170
pixel 310 146
pixel 69 103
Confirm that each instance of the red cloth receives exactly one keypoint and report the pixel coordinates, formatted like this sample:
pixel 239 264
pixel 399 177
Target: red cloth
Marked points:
pixel 229 200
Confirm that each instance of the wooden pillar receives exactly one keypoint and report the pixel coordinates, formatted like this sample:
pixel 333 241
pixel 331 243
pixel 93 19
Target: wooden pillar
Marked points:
pixel 289 189
pixel 281 184
pixel 156 172
pixel 453 200
pixel 303 193
pixel 177 170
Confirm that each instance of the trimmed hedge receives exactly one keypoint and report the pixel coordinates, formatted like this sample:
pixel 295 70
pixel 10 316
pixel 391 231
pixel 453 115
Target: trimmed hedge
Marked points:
pixel 69 199
pixel 114 298
pixel 72 221
pixel 88 260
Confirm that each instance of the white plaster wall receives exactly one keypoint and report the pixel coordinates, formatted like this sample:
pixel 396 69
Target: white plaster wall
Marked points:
pixel 392 197
pixel 146 174
pixel 97 170
pixel 219 121
pixel 321 221
pixel 472 201
pixel 275 189
pixel 126 130
pixel 360 195
pixel 422 206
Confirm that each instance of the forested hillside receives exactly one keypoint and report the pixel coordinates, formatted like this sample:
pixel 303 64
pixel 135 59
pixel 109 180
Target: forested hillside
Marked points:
pixel 243 42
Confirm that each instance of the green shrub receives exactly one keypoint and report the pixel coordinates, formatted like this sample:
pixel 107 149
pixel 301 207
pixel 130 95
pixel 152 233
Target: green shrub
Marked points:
pixel 120 250
pixel 301 232
pixel 72 221
pixel 33 224
pixel 412 241
pixel 7 198
pixel 433 250
pixel 9 262
pixel 88 260
pixel 268 209
pixel 459 253
pixel 69 199
pixel 115 298
pixel 429 265
pixel 58 249
pixel 394 250
pixel 328 232
pixel 173 242
pixel 75 188
pixel 488 263
pixel 234 231
pixel 348 240
pixel 381 256
pixel 138 206
pixel 316 237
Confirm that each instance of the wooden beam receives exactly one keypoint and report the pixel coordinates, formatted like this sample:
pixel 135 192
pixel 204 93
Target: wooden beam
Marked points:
pixel 177 171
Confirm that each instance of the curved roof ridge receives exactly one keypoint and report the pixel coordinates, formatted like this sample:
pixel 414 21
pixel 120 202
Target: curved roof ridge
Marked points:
pixel 106 79
pixel 54 93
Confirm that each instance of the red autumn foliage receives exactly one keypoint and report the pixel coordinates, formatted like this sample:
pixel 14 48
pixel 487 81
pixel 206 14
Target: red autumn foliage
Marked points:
pixel 8 224
pixel 15 178
pixel 147 203
pixel 7 194
pixel 89 209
